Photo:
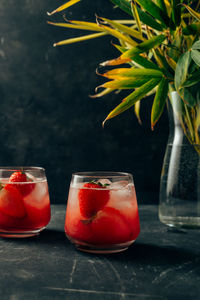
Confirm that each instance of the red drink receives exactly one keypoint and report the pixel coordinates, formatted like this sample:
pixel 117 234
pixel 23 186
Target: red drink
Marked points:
pixel 102 215
pixel 24 202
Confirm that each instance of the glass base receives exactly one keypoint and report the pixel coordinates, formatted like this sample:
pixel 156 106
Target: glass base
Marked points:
pixel 100 249
pixel 20 234
pixel 181 222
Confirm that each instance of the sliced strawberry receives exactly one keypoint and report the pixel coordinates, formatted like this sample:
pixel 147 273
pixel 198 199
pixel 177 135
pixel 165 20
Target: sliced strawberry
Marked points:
pixel 110 227
pixel 11 202
pixel 92 198
pixel 24 189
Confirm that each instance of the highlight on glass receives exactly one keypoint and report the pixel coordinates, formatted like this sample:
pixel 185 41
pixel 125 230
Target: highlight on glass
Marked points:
pixel 24 201
pixel 102 212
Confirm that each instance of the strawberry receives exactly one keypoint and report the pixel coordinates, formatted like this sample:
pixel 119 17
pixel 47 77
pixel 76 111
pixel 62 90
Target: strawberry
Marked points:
pixel 110 227
pixel 11 202
pixel 24 189
pixel 92 198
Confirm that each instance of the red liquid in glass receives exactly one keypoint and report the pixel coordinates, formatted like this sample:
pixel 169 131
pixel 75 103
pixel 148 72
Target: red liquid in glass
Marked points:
pixel 117 222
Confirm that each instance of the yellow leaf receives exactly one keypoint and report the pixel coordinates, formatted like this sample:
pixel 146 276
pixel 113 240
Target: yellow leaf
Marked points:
pixel 119 35
pixel 136 15
pixel 125 29
pixel 137 111
pixel 103 93
pixel 78 25
pixel 192 12
pixel 64 6
pixel 80 39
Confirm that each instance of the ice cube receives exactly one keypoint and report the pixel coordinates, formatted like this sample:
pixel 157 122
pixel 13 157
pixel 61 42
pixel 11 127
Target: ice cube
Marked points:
pixel 105 182
pixel 118 185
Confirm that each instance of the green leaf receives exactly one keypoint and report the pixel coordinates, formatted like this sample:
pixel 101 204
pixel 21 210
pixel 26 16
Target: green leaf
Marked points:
pixel 196 46
pixel 159 101
pixel 182 69
pixel 195 54
pixel 161 4
pixel 144 17
pixel 133 72
pixel 155 11
pixel 120 48
pixel 176 12
pixel 187 97
pixel 130 100
pixel 166 68
pixel 140 48
pixel 125 84
pixel 144 62
pixel 170 62
pixel 145 46
pixel 123 5
pixel 149 20
pixel 192 79
pixel 192 29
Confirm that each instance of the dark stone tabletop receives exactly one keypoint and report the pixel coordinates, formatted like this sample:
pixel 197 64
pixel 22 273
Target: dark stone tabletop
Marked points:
pixel 161 264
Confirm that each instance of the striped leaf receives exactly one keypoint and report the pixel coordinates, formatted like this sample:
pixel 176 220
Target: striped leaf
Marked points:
pixel 187 97
pixel 195 54
pixel 192 79
pixel 130 100
pixel 182 69
pixel 196 46
pixel 159 101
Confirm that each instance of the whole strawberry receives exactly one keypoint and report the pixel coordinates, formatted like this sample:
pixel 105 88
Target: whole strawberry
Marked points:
pixel 92 198
pixel 21 177
pixel 11 202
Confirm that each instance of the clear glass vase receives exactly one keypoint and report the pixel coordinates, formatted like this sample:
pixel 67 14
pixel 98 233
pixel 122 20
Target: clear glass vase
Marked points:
pixel 180 179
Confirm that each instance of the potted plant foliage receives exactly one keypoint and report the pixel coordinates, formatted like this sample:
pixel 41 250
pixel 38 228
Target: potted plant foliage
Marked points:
pixel 159 54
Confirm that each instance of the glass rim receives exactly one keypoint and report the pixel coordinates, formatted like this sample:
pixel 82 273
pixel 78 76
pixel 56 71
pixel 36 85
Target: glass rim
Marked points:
pixel 35 174
pixel 21 168
pixel 102 174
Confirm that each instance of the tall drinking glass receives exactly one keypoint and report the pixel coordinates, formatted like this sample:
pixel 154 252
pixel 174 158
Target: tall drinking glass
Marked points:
pixel 102 212
pixel 24 201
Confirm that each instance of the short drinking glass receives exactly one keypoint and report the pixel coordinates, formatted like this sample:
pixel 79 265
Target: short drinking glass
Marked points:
pixel 24 201
pixel 102 212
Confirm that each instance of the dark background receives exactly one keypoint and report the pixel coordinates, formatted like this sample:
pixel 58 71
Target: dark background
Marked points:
pixel 46 115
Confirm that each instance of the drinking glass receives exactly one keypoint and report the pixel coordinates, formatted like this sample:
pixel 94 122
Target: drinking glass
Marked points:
pixel 24 201
pixel 102 212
